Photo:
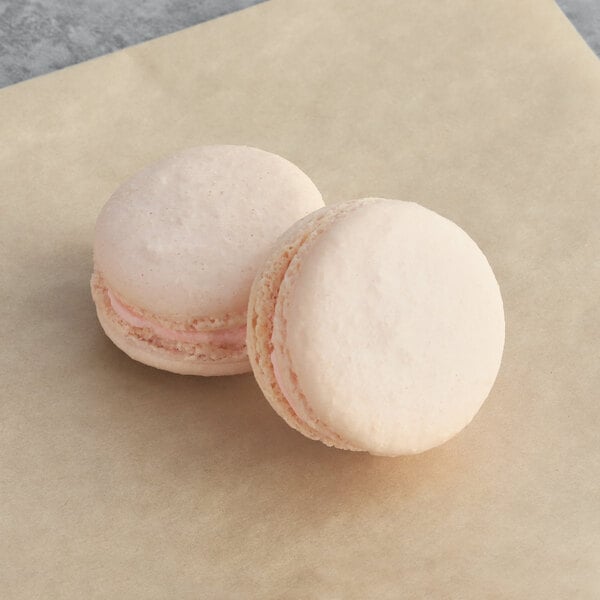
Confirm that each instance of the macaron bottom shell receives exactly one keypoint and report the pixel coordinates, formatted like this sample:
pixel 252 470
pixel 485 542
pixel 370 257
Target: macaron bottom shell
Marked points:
pixel 264 297
pixel 143 345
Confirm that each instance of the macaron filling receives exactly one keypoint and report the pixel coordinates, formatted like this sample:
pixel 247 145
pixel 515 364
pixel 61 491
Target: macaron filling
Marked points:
pixel 292 394
pixel 288 393
pixel 234 337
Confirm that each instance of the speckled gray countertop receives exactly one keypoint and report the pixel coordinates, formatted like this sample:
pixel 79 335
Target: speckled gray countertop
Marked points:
pixel 40 36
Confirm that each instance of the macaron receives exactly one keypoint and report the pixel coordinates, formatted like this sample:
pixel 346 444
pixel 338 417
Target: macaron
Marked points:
pixel 376 325
pixel 177 247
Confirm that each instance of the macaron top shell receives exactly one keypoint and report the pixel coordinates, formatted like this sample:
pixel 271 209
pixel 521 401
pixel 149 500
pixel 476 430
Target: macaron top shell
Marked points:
pixel 392 327
pixel 186 235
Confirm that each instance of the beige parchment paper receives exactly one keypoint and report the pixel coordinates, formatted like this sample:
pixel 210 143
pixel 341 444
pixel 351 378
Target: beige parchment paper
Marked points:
pixel 120 481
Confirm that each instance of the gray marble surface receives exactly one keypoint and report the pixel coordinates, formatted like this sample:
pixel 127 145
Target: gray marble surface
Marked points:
pixel 585 15
pixel 40 36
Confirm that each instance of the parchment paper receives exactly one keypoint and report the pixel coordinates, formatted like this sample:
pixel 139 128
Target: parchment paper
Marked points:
pixel 120 481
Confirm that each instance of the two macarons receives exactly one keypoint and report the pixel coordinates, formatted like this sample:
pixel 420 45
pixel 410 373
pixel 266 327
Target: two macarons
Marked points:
pixel 371 324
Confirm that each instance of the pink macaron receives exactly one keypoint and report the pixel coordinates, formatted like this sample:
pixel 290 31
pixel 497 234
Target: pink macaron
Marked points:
pixel 376 325
pixel 176 249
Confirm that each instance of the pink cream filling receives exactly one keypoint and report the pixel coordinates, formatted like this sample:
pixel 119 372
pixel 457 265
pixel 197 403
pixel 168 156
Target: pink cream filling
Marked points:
pixel 236 336
pixel 323 433
pixel 288 393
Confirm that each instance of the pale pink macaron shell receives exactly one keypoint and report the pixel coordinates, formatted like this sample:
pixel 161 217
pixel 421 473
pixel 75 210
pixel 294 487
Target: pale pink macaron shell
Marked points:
pixel 178 246
pixel 385 327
